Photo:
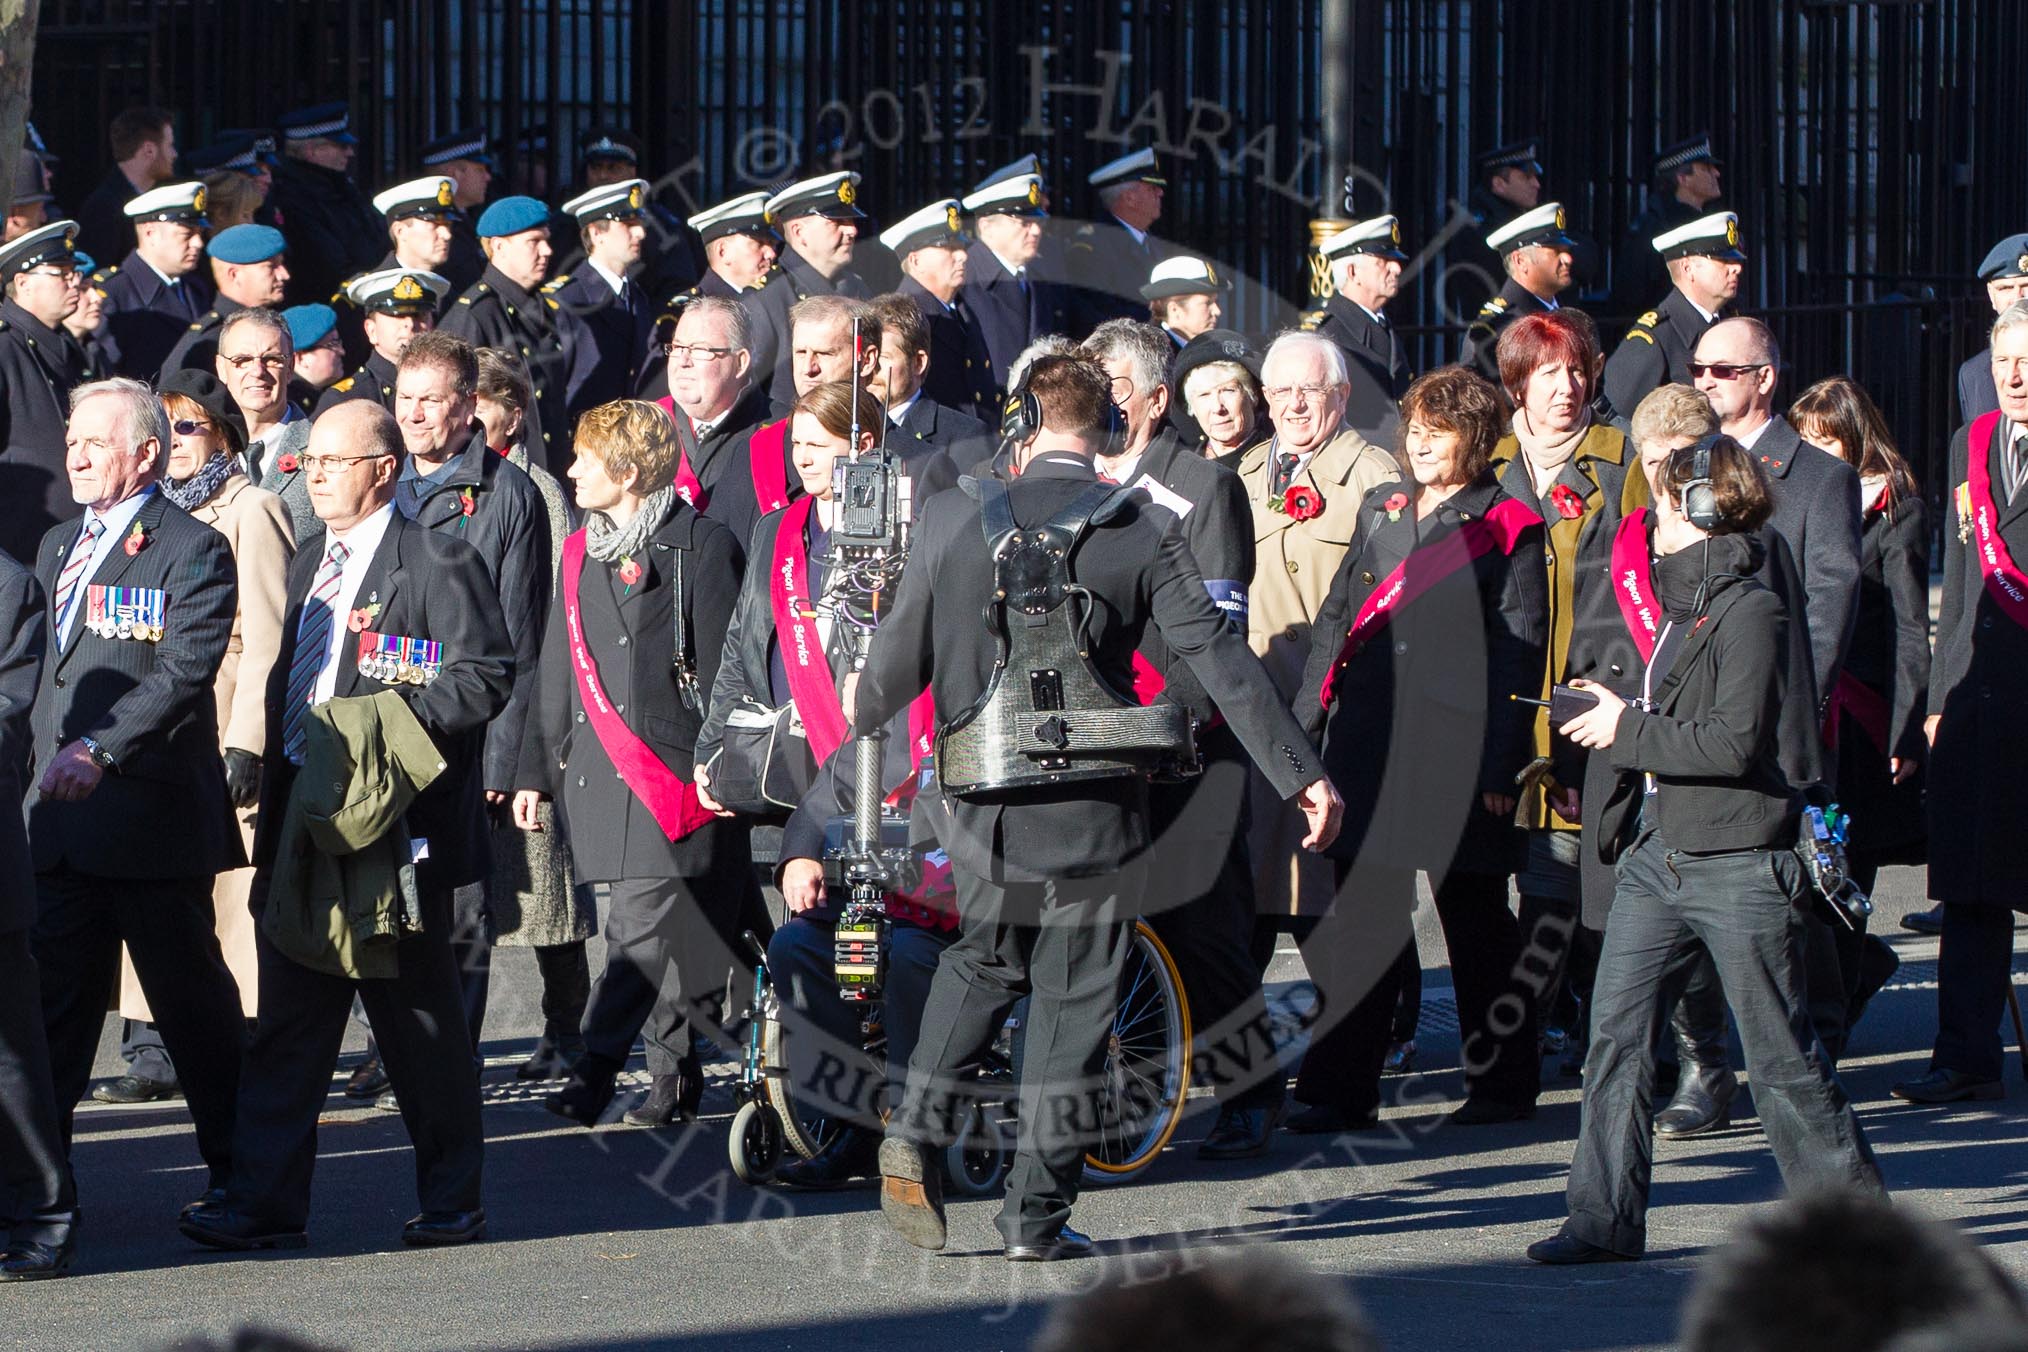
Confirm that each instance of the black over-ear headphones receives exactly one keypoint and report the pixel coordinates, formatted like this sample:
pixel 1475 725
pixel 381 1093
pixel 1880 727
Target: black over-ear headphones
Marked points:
pixel 1699 503
pixel 1021 417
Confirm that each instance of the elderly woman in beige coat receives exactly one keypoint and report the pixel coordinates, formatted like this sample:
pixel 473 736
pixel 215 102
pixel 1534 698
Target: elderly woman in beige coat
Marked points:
pixel 1305 485
pixel 201 473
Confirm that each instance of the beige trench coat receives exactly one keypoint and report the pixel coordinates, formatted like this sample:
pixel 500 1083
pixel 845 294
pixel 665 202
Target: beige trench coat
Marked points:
pixel 1294 562
pixel 256 524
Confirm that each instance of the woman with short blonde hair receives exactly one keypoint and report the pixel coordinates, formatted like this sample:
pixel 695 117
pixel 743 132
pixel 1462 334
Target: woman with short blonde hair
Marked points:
pixel 630 654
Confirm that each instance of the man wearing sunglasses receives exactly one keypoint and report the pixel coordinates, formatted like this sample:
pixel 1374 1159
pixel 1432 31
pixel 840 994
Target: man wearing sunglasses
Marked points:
pixel 39 366
pixel 249 270
pixel 1816 511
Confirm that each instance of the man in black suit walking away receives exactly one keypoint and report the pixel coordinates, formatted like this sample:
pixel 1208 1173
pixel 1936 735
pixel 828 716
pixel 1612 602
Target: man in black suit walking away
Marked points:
pixel 42 1237
pixel 1047 889
pixel 130 821
pixel 378 604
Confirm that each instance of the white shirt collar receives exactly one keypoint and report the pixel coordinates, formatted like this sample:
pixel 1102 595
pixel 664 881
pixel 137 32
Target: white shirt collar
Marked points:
pixel 1747 440
pixel 1303 458
pixel 1140 236
pixel 1124 470
pixel 613 280
pixel 897 412
pixel 167 280
pixel 1710 316
pixel 1012 269
pixel 1374 315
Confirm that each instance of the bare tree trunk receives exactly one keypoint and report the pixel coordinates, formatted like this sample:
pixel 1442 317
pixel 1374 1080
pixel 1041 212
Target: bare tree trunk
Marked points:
pixel 17 68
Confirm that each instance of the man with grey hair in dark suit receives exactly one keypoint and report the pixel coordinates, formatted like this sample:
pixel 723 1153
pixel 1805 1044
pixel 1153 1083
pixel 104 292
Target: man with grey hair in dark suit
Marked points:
pixel 129 820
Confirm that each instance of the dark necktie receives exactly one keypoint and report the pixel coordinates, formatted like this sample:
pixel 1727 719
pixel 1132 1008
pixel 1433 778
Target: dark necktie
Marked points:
pixel 313 648
pixel 1285 472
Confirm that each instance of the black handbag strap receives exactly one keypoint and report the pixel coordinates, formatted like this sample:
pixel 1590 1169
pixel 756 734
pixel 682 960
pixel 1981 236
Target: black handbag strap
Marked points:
pixel 682 658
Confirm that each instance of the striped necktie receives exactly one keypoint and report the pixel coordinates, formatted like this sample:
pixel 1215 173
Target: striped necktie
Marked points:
pixel 313 643
pixel 73 574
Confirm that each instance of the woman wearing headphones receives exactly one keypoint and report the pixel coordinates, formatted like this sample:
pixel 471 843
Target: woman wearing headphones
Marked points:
pixel 1701 823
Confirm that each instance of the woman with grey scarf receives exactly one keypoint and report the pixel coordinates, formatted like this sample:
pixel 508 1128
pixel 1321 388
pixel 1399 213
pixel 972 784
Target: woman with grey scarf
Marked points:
pixel 632 649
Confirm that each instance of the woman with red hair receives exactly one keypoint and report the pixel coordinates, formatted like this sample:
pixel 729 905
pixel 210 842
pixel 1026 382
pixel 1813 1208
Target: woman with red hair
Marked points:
pixel 1578 474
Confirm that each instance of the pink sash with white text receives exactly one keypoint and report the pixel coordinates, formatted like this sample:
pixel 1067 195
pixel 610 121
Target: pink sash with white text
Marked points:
pixel 2004 580
pixel 688 487
pixel 770 469
pixel 1634 582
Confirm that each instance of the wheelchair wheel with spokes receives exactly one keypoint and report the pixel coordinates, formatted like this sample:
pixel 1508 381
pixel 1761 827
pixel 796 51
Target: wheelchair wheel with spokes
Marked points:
pixel 806 1127
pixel 1147 1066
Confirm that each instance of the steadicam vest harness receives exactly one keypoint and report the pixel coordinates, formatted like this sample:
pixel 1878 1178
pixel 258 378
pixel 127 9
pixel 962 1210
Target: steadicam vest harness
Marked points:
pixel 1047 716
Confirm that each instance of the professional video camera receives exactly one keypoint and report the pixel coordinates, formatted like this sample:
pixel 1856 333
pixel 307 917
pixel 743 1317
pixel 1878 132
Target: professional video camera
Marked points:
pixel 868 854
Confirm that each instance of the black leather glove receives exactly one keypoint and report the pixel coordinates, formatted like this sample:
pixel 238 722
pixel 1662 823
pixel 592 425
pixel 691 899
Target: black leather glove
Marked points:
pixel 242 777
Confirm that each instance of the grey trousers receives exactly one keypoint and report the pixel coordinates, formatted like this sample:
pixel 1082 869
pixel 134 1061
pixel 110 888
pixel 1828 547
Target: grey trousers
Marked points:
pixel 1747 909
pixel 1062 944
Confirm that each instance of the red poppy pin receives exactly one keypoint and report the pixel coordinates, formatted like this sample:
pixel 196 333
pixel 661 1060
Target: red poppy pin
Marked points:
pixel 360 618
pixel 1302 502
pixel 137 539
pixel 1394 504
pixel 288 464
pixel 630 572
pixel 467 503
pixel 1568 504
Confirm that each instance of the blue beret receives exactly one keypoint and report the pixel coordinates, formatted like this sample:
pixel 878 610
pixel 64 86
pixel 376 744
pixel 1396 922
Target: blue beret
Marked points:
pixel 512 215
pixel 2009 258
pixel 247 244
pixel 86 264
pixel 309 325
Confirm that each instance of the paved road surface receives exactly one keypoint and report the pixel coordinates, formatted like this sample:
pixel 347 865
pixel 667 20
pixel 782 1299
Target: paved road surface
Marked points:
pixel 634 1239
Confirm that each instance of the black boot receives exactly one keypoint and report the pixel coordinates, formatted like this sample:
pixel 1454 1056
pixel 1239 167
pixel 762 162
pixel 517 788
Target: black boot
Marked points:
pixel 854 1154
pixel 1706 1085
pixel 589 1091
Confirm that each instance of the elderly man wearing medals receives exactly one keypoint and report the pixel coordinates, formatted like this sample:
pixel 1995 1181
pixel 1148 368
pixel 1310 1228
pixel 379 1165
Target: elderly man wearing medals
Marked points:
pixel 125 613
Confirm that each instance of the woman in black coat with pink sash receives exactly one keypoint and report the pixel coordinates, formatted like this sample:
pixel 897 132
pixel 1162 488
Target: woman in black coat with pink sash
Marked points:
pixel 633 644
pixel 1436 618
